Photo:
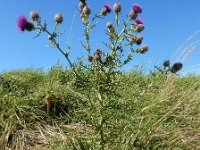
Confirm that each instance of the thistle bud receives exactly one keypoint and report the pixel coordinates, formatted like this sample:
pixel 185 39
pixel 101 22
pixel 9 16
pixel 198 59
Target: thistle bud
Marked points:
pixel 132 14
pixel 34 15
pixel 176 67
pixel 103 11
pixel 58 18
pixel 106 9
pixel 82 4
pixel 97 55
pixel 143 49
pixel 89 57
pixel 139 40
pixel 29 26
pixel 166 64
pixel 137 27
pixel 86 10
pixel 117 7
pixel 109 25
pixel 132 40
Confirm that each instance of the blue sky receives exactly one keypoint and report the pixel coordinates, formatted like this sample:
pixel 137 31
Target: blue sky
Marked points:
pixel 167 25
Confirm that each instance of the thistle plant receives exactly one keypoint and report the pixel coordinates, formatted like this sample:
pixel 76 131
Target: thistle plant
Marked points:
pixel 123 40
pixel 167 68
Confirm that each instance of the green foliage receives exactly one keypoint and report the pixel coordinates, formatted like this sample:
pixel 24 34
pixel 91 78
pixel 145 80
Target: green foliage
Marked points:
pixel 145 112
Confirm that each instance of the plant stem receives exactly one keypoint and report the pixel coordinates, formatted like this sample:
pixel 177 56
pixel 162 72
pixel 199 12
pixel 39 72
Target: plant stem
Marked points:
pixel 58 47
pixel 101 121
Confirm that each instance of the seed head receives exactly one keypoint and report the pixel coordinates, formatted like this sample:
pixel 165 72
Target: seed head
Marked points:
pixel 137 8
pixel 86 10
pixel 132 14
pixel 58 18
pixel 34 15
pixel 117 7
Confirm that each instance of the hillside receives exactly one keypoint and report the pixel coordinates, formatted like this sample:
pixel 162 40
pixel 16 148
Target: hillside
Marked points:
pixel 55 111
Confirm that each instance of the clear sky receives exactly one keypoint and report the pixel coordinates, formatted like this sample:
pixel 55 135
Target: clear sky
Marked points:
pixel 168 23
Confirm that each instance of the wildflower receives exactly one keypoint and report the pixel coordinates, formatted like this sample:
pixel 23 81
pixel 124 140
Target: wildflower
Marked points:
pixel 139 40
pixel 166 64
pixel 106 9
pixel 176 67
pixel 34 15
pixel 143 49
pixel 86 10
pixel 21 23
pixel 117 7
pixel 89 57
pixel 139 21
pixel 132 14
pixel 137 8
pixel 58 18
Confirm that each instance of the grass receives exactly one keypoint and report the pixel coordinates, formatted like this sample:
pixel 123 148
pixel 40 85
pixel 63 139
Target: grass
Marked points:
pixel 147 112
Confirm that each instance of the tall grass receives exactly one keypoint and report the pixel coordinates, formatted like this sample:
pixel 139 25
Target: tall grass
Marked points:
pixel 146 112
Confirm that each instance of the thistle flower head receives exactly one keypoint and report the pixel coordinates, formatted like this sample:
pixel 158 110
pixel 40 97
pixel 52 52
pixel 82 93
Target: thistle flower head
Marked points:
pixel 21 23
pixel 137 27
pixel 106 9
pixel 117 7
pixel 82 4
pixel 139 21
pixel 89 58
pixel 132 40
pixel 166 64
pixel 34 15
pixel 176 67
pixel 143 49
pixel 86 10
pixel 137 8
pixel 139 39
pixel 29 26
pixel 109 25
pixel 132 14
pixel 58 18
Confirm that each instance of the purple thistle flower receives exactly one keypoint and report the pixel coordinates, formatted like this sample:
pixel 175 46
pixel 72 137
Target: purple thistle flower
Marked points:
pixel 89 58
pixel 137 8
pixel 139 21
pixel 108 8
pixel 21 23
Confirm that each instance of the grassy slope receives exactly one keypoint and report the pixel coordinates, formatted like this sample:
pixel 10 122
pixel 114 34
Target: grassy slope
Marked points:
pixel 149 112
